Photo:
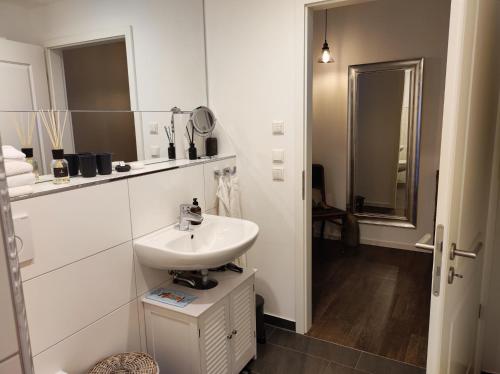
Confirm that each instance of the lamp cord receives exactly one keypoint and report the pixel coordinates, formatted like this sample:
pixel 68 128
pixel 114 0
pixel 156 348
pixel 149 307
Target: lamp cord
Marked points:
pixel 326 21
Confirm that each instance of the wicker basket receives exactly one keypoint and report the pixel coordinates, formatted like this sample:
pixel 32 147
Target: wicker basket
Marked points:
pixel 126 363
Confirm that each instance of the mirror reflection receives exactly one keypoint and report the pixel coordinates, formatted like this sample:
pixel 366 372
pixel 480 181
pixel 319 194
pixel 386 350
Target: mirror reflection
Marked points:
pixel 102 55
pixel 384 127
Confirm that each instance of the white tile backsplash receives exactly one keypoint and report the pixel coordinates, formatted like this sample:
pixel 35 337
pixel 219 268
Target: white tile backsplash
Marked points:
pixel 72 225
pixel 155 198
pixel 84 287
pixel 114 333
pixel 68 299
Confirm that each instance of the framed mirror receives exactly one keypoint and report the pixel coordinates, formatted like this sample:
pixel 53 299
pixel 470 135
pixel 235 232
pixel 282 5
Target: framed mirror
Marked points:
pixel 385 102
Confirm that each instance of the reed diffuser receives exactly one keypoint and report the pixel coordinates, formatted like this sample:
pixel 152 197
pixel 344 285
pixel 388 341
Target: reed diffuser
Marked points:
pixel 55 129
pixel 25 134
pixel 192 148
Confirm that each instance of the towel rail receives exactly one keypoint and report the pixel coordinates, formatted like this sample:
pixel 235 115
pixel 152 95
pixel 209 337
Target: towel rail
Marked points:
pixel 225 171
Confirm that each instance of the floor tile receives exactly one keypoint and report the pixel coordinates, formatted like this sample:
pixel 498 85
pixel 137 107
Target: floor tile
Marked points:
pixel 380 365
pixel 340 369
pixel 273 359
pixel 315 347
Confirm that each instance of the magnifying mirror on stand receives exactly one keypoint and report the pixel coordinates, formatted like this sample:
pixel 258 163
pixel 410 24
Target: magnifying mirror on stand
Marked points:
pixel 203 122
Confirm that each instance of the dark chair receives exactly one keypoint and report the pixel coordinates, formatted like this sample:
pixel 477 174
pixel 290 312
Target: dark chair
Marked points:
pixel 324 212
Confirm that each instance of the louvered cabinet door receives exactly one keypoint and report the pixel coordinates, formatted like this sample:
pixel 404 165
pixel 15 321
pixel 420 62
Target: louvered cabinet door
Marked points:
pixel 215 336
pixel 243 341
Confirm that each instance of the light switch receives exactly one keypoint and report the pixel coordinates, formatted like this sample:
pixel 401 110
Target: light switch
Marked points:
pixel 278 156
pixel 278 127
pixel 155 151
pixel 278 174
pixel 153 128
pixel 24 237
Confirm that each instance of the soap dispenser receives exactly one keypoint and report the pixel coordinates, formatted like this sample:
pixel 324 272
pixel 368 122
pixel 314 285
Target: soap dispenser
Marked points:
pixel 196 209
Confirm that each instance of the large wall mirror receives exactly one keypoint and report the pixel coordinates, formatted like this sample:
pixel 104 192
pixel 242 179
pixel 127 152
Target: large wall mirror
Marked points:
pixel 384 133
pixel 118 67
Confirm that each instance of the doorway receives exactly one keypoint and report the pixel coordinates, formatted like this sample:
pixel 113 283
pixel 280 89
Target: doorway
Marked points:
pixel 380 165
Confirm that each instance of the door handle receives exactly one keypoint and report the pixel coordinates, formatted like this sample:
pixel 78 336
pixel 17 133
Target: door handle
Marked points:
pixel 467 254
pixel 423 243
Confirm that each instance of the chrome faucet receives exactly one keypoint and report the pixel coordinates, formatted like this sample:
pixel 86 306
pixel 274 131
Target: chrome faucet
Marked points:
pixel 186 217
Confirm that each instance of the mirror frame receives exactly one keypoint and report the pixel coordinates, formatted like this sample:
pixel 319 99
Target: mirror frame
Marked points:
pixel 416 67
pixel 194 122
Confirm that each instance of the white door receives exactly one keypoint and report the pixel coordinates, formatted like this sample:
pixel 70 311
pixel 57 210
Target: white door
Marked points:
pixel 465 169
pixel 23 87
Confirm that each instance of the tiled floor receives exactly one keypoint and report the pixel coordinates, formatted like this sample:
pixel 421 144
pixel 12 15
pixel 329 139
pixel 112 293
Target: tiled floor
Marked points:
pixel 290 353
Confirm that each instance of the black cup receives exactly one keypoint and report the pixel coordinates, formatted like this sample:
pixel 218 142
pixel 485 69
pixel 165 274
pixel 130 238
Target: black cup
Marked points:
pixel 88 166
pixel 211 146
pixel 193 154
pixel 72 163
pixel 104 166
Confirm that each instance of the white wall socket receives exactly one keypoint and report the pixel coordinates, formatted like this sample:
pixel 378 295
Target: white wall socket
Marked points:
pixel 278 174
pixel 278 127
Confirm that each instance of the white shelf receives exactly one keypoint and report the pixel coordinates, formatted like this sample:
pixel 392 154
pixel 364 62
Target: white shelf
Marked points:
pixel 47 187
pixel 228 281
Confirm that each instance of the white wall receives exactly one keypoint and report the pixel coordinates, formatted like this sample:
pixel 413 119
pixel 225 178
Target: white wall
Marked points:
pixel 85 285
pixel 251 70
pixel 372 32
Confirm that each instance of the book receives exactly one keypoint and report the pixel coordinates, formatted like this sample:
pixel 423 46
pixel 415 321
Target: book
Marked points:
pixel 171 297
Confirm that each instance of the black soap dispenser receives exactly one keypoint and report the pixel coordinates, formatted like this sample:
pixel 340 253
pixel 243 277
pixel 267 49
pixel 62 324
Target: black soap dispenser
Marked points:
pixel 196 209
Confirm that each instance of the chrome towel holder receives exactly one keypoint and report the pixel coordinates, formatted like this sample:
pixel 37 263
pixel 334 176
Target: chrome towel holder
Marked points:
pixel 226 171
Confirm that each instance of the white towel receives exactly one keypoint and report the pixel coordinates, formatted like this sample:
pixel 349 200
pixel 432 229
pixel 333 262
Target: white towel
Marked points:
pixel 21 180
pixel 10 152
pixel 15 167
pixel 223 197
pixel 19 191
pixel 234 196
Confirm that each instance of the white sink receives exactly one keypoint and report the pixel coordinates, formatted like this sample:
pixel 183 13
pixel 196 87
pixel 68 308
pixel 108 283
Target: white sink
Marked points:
pixel 217 241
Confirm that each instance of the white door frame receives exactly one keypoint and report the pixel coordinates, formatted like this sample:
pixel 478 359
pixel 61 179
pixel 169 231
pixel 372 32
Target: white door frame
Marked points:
pixel 303 146
pixel 303 155
pixel 97 36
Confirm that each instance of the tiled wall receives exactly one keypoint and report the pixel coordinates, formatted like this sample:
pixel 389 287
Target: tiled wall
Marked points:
pixel 84 286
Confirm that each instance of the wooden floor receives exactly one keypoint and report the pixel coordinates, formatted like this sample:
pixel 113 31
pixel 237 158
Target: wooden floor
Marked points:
pixel 373 299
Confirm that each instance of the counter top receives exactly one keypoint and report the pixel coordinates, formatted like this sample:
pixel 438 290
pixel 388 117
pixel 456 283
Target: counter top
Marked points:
pixel 47 187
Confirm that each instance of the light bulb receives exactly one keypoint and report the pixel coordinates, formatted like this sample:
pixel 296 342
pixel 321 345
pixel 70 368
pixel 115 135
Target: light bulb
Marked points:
pixel 325 56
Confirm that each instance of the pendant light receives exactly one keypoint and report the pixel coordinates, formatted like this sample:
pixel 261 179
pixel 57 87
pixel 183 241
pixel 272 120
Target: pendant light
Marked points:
pixel 326 56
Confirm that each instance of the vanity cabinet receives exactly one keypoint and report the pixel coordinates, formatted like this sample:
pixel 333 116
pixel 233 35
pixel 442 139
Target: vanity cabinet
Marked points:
pixel 215 334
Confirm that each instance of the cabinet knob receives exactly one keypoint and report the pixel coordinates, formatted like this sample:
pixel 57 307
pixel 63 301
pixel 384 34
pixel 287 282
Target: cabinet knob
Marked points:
pixel 235 332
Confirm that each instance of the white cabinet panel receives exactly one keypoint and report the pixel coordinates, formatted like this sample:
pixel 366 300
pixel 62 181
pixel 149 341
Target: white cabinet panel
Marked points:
pixel 72 225
pixel 115 333
pixel 242 302
pixel 215 336
pixel 155 198
pixel 211 181
pixel 65 300
pixel 11 366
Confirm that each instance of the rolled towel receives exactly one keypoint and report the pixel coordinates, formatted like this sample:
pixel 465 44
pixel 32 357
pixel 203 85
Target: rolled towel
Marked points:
pixel 19 191
pixel 10 152
pixel 21 180
pixel 15 167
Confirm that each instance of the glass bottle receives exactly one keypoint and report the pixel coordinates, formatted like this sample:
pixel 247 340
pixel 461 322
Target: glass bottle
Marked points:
pixel 30 160
pixel 59 167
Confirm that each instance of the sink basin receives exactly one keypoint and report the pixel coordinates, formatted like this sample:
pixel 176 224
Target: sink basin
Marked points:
pixel 217 241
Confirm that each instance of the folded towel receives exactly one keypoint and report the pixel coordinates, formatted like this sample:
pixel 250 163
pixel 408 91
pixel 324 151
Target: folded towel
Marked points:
pixel 21 180
pixel 19 191
pixel 10 152
pixel 15 167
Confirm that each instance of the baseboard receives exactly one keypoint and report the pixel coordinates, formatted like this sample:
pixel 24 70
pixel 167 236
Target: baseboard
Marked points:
pixel 391 244
pixel 279 322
